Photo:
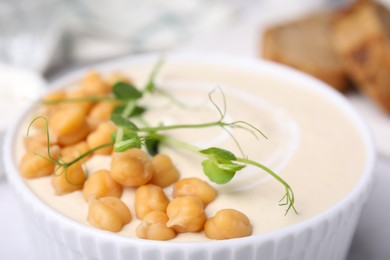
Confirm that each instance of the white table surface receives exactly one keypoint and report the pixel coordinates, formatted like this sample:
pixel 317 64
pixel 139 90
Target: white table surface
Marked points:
pixel 372 238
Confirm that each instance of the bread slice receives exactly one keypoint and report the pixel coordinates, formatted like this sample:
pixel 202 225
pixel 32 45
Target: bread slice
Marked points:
pixel 361 37
pixel 306 45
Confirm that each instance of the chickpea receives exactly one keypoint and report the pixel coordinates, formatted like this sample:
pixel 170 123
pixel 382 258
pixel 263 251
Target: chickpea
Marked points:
pixel 75 150
pixel 69 125
pixel 57 95
pixel 36 141
pixel 195 187
pixel 100 136
pixel 50 108
pixel 93 85
pixel 228 223
pixel 149 198
pixel 86 106
pixel 108 213
pixel 73 138
pixel 186 214
pixel 165 173
pixel 100 184
pixel 154 227
pixel 67 121
pixel 34 166
pixel 68 180
pixel 101 112
pixel 131 168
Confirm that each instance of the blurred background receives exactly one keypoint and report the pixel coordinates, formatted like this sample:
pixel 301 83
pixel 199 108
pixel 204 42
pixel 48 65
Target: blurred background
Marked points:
pixel 50 36
pixel 43 39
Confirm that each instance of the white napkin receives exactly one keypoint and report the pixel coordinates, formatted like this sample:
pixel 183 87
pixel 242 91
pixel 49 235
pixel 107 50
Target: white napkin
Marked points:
pixel 18 88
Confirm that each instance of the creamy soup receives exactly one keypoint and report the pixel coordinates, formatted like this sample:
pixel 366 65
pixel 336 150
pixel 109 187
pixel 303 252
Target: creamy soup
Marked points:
pixel 311 143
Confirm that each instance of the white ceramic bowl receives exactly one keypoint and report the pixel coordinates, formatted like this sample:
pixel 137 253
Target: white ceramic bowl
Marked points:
pixel 325 236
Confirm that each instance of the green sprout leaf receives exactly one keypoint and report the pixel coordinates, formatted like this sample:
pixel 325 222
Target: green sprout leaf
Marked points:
pixel 219 167
pixel 121 121
pixel 219 153
pixel 130 140
pixel 125 91
pixel 138 110
pixel 215 173
pixel 229 165
pixel 151 145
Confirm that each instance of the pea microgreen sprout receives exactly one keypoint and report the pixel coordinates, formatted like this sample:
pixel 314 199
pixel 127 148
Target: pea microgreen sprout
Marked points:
pixel 221 165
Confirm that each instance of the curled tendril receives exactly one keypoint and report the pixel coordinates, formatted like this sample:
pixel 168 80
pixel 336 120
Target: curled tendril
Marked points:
pixel 248 127
pixel 289 200
pixel 236 124
pixel 222 112
pixel 62 166
pixel 49 158
pixel 236 142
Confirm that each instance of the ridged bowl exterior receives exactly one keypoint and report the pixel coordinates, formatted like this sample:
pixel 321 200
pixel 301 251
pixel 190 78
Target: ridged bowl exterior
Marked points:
pixel 324 237
pixel 326 240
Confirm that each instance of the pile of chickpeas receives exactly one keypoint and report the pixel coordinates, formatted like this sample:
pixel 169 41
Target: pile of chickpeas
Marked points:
pixel 77 127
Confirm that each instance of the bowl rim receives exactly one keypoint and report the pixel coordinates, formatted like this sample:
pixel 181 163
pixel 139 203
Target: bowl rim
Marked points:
pixel 272 69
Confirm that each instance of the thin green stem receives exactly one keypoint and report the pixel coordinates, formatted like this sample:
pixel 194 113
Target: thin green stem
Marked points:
pixel 181 126
pixel 176 142
pixel 119 135
pixel 63 165
pixel 150 85
pixel 129 108
pixel 235 141
pixel 289 195
pixel 222 113
pixel 87 153
pixel 47 135
pixel 249 127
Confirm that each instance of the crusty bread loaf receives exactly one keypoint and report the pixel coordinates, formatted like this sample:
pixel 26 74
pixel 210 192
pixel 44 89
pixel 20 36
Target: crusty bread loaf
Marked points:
pixel 361 38
pixel 306 45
